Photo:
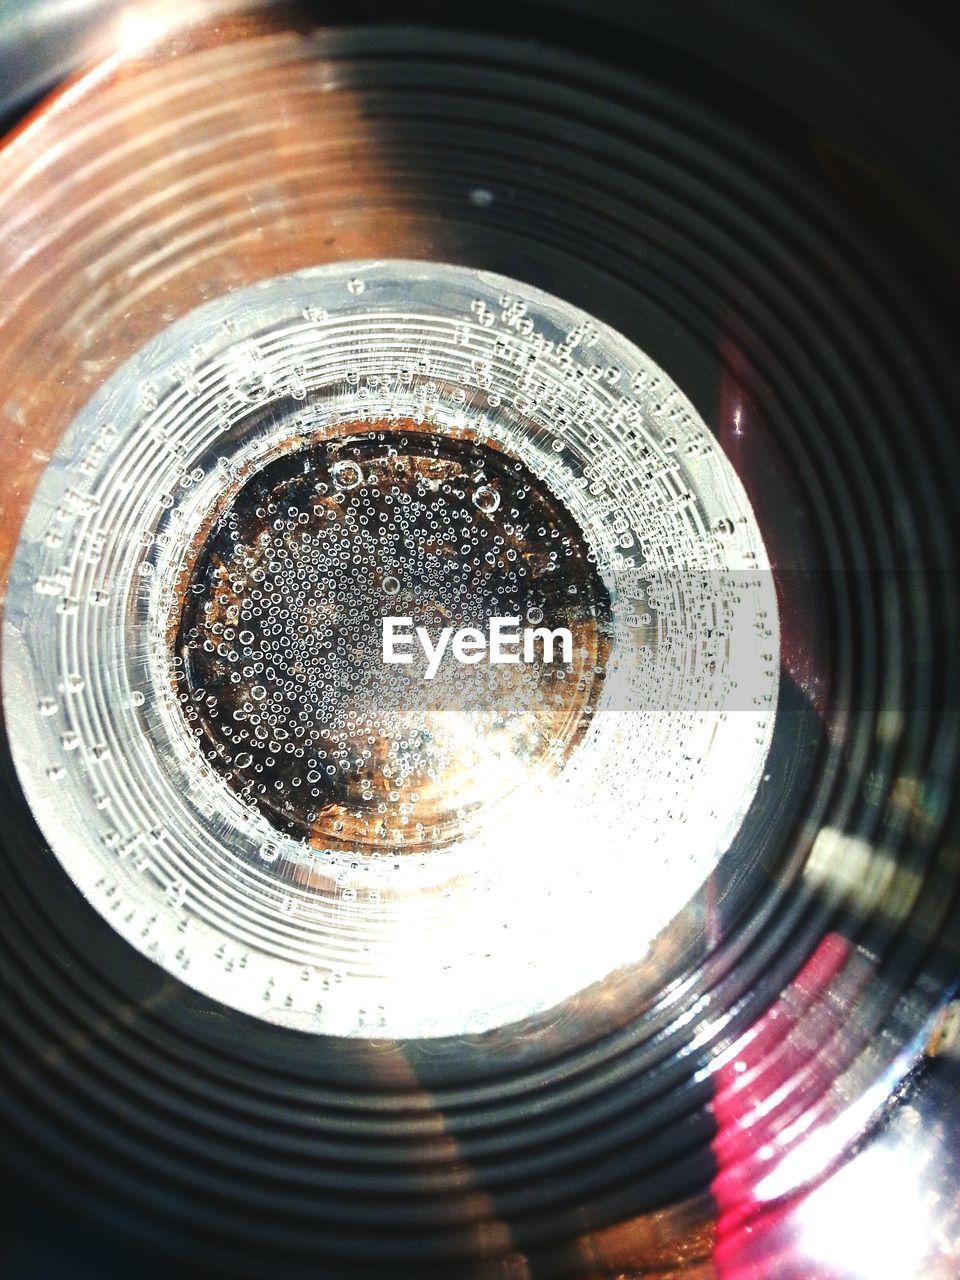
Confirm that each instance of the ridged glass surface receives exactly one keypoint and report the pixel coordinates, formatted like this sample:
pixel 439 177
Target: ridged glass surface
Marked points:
pixel 194 682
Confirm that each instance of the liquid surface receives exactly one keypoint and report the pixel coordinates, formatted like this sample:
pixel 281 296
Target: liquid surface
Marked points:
pixel 279 654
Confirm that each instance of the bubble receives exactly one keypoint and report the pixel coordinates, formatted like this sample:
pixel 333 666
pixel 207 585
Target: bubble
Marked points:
pixel 346 475
pixel 486 499
pixel 253 386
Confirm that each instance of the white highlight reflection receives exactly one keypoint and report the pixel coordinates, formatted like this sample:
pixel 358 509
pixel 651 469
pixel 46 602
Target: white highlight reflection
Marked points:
pixel 869 1221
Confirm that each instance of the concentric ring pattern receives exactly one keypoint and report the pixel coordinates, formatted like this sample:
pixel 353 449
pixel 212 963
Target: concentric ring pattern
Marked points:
pixel 601 1134
pixel 332 934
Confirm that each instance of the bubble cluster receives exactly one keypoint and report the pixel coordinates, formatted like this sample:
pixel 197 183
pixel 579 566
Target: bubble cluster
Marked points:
pixel 278 654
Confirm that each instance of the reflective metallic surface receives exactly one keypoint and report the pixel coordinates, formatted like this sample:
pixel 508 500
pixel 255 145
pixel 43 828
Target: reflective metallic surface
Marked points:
pixel 644 970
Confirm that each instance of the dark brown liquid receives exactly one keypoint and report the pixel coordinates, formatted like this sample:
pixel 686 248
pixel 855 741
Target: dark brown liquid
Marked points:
pixel 280 637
